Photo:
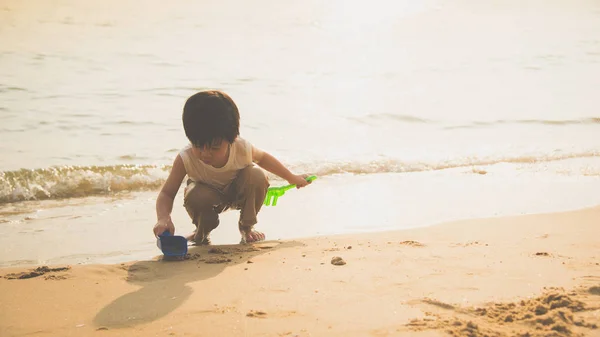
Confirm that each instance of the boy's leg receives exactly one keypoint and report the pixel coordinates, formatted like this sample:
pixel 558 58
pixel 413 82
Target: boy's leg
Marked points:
pixel 248 194
pixel 203 204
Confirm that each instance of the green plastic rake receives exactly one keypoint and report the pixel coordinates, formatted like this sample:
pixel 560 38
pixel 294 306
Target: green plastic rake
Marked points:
pixel 273 193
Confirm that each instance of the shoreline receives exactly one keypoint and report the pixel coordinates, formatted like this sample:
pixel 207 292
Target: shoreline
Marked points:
pixel 114 230
pixel 480 276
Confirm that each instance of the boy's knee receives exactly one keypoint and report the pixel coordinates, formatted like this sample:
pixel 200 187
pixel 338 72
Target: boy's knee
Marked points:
pixel 202 205
pixel 200 197
pixel 254 177
pixel 199 203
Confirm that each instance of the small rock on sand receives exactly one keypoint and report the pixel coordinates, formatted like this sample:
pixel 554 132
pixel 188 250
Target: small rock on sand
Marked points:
pixel 338 261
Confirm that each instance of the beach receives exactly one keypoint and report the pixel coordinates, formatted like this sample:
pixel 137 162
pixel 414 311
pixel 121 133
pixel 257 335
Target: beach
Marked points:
pixel 455 144
pixel 410 113
pixel 532 275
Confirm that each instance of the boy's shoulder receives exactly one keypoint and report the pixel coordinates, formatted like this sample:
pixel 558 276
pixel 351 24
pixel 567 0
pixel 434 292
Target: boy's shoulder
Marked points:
pixel 243 147
pixel 242 141
pixel 184 150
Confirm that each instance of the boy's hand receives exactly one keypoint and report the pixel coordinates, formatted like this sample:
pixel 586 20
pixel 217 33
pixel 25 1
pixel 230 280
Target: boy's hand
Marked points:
pixel 164 225
pixel 299 180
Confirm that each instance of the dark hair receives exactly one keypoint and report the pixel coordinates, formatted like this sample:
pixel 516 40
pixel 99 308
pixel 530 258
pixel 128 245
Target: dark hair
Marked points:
pixel 210 116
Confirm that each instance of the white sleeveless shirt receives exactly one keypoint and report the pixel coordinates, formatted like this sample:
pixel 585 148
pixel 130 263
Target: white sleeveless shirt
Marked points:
pixel 240 156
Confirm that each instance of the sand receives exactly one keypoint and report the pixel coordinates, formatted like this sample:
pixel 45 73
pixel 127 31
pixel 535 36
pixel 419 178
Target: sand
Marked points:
pixel 532 275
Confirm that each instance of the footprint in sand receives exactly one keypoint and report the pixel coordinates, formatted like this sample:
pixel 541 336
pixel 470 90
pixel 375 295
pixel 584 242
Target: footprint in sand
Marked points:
pixel 412 243
pixel 217 259
pixel 594 290
pixel 192 257
pixel 56 277
pixel 257 314
pixel 217 250
pixel 470 243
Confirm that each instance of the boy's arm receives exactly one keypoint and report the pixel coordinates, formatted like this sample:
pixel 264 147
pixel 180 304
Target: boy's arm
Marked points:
pixel 273 165
pixel 166 197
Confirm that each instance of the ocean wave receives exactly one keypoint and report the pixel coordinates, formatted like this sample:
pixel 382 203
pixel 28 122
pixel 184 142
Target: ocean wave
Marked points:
pixel 476 124
pixel 410 119
pixel 10 88
pixel 81 181
pixel 397 166
pixel 78 181
pixel 173 88
pixel 368 119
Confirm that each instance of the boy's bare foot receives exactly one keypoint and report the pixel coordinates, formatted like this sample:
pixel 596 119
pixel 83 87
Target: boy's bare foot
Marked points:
pixel 252 236
pixel 192 238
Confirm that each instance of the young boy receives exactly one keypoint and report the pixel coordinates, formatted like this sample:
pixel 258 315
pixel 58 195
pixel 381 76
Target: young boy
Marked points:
pixel 220 170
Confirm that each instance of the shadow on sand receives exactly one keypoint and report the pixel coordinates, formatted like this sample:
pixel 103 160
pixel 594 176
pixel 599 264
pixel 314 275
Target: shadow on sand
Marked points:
pixel 164 282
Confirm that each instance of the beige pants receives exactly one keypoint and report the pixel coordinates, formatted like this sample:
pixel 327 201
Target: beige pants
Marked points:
pixel 204 203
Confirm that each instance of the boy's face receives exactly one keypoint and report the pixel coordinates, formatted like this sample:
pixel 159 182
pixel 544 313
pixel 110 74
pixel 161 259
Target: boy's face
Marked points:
pixel 215 154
